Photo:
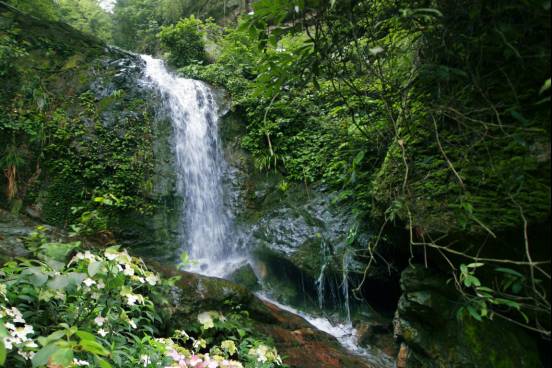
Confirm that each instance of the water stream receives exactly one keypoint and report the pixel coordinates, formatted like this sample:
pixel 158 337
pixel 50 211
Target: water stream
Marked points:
pixel 207 231
pixel 344 332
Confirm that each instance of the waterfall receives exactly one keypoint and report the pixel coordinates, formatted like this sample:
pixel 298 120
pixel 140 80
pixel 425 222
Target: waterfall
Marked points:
pixel 347 260
pixel 320 283
pixel 200 163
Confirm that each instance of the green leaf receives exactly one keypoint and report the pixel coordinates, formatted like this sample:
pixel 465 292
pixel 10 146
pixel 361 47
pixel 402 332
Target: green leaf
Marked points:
pixel 76 278
pixel 103 363
pixel 473 312
pixel 509 271
pixel 93 347
pixel 507 302
pixel 84 335
pixel 546 86
pixel 3 331
pixel 58 251
pixel 42 356
pixel 63 357
pixel 51 338
pixel 3 352
pixel 59 282
pixel 94 267
pixel 37 276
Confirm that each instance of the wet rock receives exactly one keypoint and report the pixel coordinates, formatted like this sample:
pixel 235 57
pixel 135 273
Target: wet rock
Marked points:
pixel 304 346
pixel 378 334
pixel 432 336
pixel 245 276
pixel 300 343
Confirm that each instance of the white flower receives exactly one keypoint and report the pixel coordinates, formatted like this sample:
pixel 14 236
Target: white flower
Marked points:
pixel 195 360
pixel 8 343
pixel 99 321
pixel 111 256
pixel 251 13
pixel 132 299
pixel 132 324
pixel 89 282
pixel 129 271
pixel 15 314
pixel 27 355
pixel 145 360
pixel 152 279
pixel 22 332
pixel 101 284
pixel 31 344
pixel 80 362
pixel 206 320
pixel 102 332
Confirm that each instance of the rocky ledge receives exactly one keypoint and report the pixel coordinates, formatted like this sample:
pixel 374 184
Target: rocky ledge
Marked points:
pixel 300 343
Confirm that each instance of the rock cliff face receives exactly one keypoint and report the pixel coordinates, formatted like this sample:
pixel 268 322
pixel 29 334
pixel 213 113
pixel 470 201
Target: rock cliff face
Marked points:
pixel 84 126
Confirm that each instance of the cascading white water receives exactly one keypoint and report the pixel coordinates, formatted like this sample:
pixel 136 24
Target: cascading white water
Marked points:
pixel 207 230
pixel 345 333
pixel 194 113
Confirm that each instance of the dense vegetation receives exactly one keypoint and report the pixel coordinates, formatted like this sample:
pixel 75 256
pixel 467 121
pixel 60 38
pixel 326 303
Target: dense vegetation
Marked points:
pixel 431 118
pixel 70 307
pixel 394 106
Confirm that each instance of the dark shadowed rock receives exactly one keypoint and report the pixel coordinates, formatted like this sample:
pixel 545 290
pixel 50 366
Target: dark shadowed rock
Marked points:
pixel 432 336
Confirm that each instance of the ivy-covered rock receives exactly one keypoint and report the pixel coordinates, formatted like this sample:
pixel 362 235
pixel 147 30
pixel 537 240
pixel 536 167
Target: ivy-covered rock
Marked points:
pixel 80 125
pixel 426 322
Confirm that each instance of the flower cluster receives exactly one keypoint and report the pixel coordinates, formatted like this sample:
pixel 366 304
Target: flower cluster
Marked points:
pixel 17 330
pixel 112 264
pixel 101 309
pixel 265 354
pixel 183 358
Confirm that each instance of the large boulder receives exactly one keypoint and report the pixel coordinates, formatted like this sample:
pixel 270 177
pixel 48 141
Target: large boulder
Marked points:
pixel 432 336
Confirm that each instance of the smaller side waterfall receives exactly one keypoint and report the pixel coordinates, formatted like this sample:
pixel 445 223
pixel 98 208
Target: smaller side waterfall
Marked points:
pixel 200 164
pixel 320 283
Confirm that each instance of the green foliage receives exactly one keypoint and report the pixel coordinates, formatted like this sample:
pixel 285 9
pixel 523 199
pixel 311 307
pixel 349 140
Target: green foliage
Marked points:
pixel 59 151
pixel 86 16
pixel 136 24
pixel 69 307
pixel 393 105
pixel 184 42
pixel 40 8
pixel 506 296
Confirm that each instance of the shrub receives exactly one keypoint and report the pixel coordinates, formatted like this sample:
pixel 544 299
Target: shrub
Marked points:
pixel 71 307
pixel 184 42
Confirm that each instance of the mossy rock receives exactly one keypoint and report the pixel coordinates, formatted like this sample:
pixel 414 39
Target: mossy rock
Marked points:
pixel 426 322
pixel 245 276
